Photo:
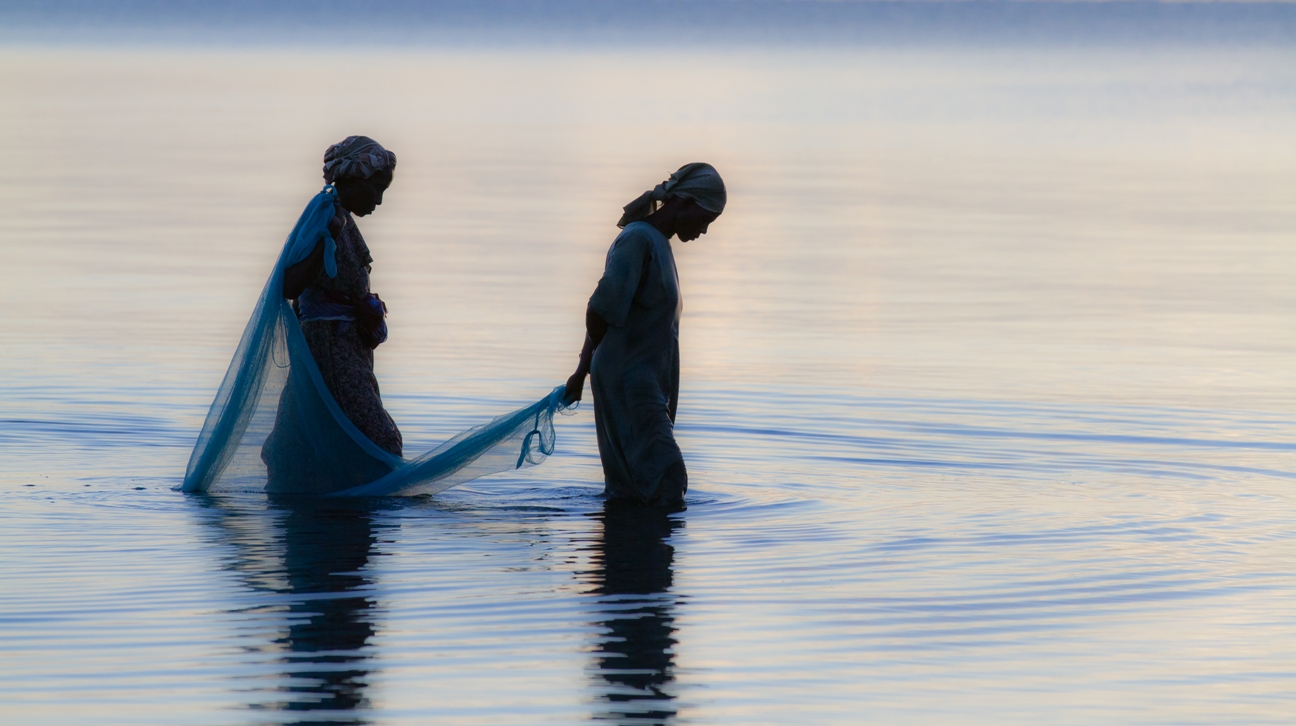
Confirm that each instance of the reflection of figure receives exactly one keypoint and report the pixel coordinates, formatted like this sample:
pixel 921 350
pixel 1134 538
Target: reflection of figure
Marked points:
pixel 635 658
pixel 326 547
pixel 322 548
pixel 340 319
pixel 632 342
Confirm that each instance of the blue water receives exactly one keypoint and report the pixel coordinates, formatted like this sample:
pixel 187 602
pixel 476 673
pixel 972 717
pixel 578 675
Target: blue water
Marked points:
pixel 988 388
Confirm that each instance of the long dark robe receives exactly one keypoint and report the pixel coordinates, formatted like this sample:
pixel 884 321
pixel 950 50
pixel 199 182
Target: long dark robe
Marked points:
pixel 635 371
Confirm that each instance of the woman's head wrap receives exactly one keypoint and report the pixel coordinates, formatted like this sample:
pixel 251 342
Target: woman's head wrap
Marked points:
pixel 697 181
pixel 356 157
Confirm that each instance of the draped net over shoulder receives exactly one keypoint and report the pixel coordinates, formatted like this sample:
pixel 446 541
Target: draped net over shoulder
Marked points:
pixel 316 446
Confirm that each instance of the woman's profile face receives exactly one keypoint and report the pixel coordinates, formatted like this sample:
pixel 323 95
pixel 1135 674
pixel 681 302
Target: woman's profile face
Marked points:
pixel 692 221
pixel 361 196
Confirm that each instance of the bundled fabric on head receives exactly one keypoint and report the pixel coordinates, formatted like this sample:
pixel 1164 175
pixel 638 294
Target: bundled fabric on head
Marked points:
pixel 274 426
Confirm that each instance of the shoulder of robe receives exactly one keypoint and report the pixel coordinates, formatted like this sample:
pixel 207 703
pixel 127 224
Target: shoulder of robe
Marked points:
pixel 636 235
pixel 639 229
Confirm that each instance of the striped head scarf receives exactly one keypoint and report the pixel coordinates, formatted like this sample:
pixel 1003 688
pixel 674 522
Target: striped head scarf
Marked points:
pixel 356 157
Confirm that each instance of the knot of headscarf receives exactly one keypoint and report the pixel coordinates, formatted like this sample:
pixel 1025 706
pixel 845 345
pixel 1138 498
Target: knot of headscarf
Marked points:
pixel 356 157
pixel 697 181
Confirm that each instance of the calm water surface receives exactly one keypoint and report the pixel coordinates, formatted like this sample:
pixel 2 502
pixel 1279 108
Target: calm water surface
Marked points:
pixel 988 390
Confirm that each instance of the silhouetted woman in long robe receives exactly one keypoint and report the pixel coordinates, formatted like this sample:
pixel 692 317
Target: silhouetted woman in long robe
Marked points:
pixel 632 338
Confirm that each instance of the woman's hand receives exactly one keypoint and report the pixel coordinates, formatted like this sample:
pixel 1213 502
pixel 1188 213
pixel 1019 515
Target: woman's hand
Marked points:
pixel 369 313
pixel 575 387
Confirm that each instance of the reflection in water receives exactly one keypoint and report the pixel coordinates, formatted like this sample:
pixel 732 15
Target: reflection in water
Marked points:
pixel 315 553
pixel 636 657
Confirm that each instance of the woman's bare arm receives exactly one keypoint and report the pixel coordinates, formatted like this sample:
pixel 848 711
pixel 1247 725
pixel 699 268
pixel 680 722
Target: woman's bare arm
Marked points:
pixel 595 328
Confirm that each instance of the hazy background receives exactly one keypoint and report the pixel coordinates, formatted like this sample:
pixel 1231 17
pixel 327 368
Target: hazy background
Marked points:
pixel 658 22
pixel 987 368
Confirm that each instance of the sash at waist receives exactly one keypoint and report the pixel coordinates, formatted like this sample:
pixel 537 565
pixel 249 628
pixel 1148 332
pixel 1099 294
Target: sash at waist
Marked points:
pixel 367 315
pixel 315 304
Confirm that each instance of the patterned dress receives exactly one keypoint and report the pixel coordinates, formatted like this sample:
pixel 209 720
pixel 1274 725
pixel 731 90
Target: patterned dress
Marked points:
pixel 345 361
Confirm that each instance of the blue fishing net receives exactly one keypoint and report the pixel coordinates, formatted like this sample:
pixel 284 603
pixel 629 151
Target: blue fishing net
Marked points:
pixel 273 391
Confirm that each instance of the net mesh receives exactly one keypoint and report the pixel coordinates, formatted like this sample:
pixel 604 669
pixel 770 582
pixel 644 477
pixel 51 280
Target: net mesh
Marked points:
pixel 275 427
